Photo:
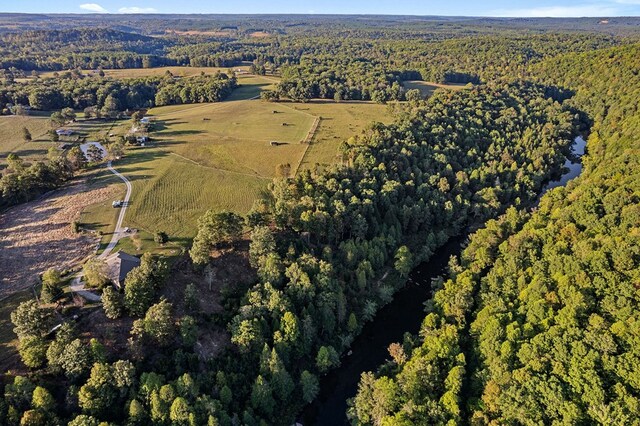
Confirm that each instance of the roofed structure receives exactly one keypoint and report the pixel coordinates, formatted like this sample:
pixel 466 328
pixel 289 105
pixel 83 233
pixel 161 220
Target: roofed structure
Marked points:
pixel 119 265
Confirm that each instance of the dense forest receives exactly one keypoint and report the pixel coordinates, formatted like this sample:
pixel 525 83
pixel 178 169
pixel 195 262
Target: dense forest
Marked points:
pixel 536 322
pixel 402 191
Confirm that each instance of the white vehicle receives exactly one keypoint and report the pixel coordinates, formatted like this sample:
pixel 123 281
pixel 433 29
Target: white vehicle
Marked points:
pixel 117 203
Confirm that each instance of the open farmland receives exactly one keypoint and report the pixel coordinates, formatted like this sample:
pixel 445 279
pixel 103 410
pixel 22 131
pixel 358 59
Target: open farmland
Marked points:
pixel 148 72
pixel 209 156
pixel 338 122
pixel 11 137
pixel 235 136
pixel 171 193
pixel 219 156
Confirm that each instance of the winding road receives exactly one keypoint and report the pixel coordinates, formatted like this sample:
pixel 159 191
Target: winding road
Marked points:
pixel 77 285
pixel 118 232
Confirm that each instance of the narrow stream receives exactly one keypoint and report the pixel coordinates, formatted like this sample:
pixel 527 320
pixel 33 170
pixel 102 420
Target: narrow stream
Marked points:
pixel 404 314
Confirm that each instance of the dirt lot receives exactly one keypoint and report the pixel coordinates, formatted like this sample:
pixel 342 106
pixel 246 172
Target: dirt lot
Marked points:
pixel 36 236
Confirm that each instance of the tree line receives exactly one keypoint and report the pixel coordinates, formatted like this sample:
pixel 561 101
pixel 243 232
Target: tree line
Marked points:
pixel 116 95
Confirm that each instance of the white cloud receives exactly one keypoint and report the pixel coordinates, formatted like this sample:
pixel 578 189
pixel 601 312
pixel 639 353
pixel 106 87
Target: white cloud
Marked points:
pixel 560 11
pixel 136 9
pixel 93 7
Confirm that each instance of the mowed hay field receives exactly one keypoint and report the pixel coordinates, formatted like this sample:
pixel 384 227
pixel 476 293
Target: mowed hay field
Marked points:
pixel 208 156
pixel 338 122
pixel 11 140
pixel 219 156
pixel 170 193
pixel 234 136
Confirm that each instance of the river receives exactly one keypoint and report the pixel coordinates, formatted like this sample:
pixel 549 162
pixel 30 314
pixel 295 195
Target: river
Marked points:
pixel 404 314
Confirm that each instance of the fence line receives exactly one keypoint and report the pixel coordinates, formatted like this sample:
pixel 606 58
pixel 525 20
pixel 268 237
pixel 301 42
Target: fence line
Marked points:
pixel 307 141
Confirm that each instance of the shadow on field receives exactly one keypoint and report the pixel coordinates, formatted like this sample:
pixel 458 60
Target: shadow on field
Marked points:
pixel 182 241
pixel 38 228
pixel 96 226
pixel 182 132
pixel 35 151
pixel 162 125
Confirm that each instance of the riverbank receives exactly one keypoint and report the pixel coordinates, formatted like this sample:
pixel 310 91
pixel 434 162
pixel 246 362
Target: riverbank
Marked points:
pixel 404 314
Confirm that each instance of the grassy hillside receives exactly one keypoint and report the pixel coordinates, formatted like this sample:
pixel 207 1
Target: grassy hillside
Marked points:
pixel 11 137
pixel 338 122
pixel 235 135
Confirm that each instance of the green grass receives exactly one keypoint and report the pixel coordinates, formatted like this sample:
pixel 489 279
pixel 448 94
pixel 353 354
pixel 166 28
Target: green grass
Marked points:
pixel 143 242
pixel 11 140
pixel 234 136
pixel 251 86
pixel 171 193
pixel 94 129
pixel 339 121
pixel 102 217
pixel 427 88
pixel 194 165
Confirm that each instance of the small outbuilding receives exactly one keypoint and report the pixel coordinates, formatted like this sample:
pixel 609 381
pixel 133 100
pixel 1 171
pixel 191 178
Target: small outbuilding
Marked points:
pixel 119 265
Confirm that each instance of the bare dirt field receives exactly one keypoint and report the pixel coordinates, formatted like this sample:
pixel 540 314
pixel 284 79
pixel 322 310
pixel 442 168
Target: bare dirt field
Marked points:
pixel 37 235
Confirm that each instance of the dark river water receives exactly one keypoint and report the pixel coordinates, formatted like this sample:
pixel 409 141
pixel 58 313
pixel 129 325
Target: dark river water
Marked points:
pixel 404 314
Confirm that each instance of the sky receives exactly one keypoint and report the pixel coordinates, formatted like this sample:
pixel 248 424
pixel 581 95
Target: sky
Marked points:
pixel 541 8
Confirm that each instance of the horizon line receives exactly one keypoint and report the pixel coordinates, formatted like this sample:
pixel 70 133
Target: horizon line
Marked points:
pixel 315 14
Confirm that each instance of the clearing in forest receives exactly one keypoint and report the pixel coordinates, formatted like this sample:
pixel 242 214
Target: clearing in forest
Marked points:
pixel 427 88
